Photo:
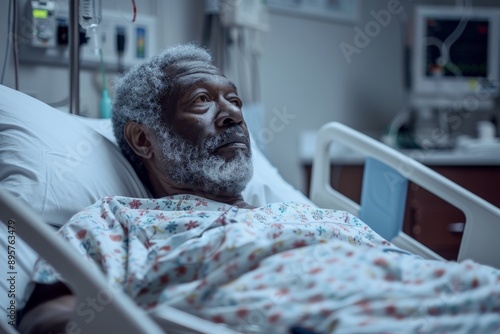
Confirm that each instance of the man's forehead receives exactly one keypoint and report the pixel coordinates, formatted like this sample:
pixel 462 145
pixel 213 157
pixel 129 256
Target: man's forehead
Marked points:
pixel 185 74
pixel 191 73
pixel 187 81
pixel 190 67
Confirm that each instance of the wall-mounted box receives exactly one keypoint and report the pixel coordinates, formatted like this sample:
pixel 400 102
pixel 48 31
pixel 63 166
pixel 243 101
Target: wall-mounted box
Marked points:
pixel 140 41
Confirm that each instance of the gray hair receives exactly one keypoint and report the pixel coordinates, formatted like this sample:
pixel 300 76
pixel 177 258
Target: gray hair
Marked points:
pixel 139 94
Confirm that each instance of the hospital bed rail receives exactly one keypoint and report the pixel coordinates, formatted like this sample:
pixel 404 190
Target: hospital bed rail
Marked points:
pixel 482 228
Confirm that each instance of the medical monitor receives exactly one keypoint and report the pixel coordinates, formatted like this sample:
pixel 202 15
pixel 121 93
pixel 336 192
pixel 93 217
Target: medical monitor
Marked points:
pixel 456 51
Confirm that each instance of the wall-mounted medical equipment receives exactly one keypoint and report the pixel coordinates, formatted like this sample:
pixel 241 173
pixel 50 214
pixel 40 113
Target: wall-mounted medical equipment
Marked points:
pixel 242 13
pixel 41 15
pixel 123 43
pixel 456 51
pixel 454 69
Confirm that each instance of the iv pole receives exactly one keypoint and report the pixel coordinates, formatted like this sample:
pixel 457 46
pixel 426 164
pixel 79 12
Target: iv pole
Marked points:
pixel 74 58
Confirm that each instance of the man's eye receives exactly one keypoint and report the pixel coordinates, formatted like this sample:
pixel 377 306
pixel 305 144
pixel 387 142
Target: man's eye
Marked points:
pixel 236 102
pixel 202 98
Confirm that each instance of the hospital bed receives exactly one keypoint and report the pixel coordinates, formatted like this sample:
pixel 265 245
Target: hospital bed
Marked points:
pixel 53 164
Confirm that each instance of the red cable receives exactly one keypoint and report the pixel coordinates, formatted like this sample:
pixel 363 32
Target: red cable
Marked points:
pixel 135 10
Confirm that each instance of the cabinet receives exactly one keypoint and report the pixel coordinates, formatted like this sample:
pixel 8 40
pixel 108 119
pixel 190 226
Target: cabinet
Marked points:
pixel 428 219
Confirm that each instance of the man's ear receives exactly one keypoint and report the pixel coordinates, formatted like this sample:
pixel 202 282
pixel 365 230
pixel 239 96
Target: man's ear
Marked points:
pixel 139 139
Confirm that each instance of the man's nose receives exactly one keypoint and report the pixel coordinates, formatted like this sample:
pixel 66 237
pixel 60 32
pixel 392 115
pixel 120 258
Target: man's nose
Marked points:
pixel 228 113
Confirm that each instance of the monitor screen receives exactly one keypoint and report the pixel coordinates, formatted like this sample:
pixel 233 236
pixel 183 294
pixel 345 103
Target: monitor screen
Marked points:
pixel 456 50
pixel 467 52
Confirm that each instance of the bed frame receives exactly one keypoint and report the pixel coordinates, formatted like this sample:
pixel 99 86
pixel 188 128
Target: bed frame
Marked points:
pixel 482 228
pixel 478 243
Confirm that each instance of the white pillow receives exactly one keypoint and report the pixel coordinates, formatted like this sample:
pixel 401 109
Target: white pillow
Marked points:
pixel 267 185
pixel 57 164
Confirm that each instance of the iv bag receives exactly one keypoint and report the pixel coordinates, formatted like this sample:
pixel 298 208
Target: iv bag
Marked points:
pixel 90 13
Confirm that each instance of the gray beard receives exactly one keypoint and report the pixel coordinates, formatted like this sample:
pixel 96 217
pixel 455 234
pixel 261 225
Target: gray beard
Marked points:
pixel 196 167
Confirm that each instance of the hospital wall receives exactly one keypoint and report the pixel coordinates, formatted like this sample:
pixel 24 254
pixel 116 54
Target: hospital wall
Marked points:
pixel 304 75
pixel 304 70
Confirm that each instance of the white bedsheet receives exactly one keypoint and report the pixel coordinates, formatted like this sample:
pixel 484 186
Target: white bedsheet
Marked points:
pixel 267 269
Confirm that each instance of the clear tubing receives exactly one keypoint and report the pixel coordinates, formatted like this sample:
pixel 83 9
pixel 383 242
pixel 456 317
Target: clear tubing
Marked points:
pixel 95 37
pixel 90 13
pixel 89 18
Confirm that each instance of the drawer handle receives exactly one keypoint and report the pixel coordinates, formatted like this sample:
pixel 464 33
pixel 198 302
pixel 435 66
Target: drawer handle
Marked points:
pixel 417 229
pixel 456 227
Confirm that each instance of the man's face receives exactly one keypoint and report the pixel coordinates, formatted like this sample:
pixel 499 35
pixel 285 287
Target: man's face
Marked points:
pixel 207 145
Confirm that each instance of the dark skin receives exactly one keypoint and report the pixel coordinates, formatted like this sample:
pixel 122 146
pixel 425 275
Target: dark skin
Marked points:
pixel 203 103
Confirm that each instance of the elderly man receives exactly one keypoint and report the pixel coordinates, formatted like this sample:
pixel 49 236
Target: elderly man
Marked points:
pixel 179 122
pixel 196 245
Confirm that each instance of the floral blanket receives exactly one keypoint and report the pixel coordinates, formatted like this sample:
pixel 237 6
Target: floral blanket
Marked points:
pixel 267 269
